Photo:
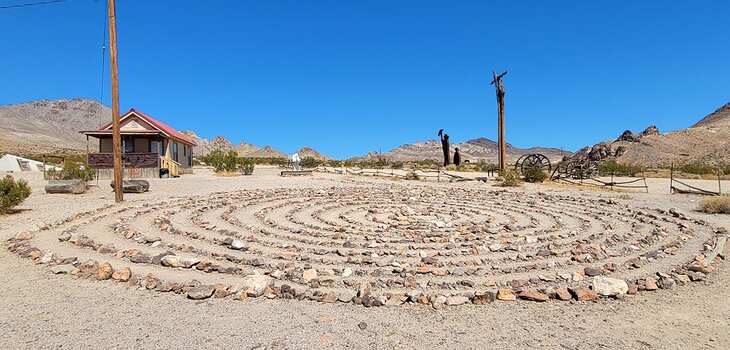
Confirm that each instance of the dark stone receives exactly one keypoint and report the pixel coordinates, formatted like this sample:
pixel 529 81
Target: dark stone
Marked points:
pixel 134 186
pixel 66 186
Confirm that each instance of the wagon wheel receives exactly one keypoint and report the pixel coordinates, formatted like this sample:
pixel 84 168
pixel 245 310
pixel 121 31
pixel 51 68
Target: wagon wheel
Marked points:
pixel 535 161
pixel 518 163
pixel 590 169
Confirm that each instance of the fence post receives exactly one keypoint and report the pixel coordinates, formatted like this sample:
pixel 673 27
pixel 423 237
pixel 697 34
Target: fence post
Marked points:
pixel 671 178
pixel 719 183
pixel 612 180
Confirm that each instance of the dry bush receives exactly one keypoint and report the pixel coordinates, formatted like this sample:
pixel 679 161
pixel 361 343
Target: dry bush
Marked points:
pixel 12 193
pixel 715 205
pixel 509 178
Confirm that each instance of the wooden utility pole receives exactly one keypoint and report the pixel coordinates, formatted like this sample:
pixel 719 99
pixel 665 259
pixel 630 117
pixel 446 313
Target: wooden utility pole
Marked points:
pixel 116 134
pixel 501 145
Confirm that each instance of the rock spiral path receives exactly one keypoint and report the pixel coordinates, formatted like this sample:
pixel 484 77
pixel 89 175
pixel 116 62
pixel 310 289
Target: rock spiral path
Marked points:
pixel 380 245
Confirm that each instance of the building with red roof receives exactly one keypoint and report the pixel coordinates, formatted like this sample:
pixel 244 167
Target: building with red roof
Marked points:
pixel 150 148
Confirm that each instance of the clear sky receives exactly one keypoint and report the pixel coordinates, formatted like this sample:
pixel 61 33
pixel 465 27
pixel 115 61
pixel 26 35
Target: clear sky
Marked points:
pixel 347 77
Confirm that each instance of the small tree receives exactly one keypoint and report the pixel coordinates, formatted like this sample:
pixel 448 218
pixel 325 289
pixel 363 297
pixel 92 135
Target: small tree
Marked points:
pixel 72 170
pixel 310 162
pixel 246 166
pixel 12 193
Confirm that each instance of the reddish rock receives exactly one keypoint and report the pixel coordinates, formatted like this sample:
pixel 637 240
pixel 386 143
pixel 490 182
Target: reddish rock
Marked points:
pixel 563 294
pixel 650 284
pixel 633 289
pixel 506 295
pixel 533 296
pixel 122 275
pixel 104 272
pixel 584 294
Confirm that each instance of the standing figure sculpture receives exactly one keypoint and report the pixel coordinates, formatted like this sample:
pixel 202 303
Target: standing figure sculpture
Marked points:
pixel 457 156
pixel 445 146
pixel 497 82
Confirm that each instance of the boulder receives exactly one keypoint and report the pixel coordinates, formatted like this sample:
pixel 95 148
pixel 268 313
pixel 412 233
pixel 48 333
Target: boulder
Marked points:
pixel 134 186
pixel 609 286
pixel 255 285
pixel 66 186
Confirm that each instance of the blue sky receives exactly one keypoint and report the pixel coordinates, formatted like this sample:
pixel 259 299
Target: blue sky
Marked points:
pixel 347 77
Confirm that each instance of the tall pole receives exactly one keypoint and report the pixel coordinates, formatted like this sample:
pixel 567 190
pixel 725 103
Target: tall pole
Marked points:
pixel 116 134
pixel 501 144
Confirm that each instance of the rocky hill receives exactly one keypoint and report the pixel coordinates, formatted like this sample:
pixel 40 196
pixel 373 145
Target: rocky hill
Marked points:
pixel 308 152
pixel 473 150
pixel 266 152
pixel 719 117
pixel 49 126
pixel 244 148
pixel 205 146
pixel 707 141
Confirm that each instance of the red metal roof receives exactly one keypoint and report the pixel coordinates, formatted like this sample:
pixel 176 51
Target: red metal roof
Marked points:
pixel 166 129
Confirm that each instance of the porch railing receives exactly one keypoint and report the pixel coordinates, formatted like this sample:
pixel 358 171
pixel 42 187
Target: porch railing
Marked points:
pixel 129 160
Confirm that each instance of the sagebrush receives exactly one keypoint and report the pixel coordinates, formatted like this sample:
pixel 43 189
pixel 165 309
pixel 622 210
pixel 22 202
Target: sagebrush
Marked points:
pixel 509 178
pixel 535 175
pixel 12 193
pixel 715 205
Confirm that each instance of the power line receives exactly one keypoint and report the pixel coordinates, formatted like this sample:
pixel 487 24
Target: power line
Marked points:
pixel 31 4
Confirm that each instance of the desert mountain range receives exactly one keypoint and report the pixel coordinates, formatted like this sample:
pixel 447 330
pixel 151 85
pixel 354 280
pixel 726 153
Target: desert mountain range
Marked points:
pixel 53 126
pixel 472 150
pixel 707 141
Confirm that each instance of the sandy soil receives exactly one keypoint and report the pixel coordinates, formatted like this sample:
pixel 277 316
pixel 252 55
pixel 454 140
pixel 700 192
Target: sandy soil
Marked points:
pixel 42 310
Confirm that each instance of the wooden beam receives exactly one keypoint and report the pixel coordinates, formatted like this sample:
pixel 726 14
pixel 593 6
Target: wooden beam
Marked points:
pixel 116 135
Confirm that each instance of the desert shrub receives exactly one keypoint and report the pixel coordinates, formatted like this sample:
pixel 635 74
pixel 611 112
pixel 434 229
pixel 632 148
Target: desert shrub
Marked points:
pixel 535 175
pixel 222 161
pixel 246 166
pixel 310 162
pixel 396 165
pixel 509 178
pixel 411 174
pixel 12 193
pixel 611 166
pixel 699 169
pixel 334 163
pixel 484 167
pixel 72 170
pixel 715 205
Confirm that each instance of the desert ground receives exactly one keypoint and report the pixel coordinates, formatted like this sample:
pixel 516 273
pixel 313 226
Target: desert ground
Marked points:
pixel 291 224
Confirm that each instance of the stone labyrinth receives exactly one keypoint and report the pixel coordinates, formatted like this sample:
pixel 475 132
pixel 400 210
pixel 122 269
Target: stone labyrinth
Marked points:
pixel 379 245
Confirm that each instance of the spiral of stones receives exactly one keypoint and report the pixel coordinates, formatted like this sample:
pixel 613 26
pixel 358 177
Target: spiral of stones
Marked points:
pixel 377 245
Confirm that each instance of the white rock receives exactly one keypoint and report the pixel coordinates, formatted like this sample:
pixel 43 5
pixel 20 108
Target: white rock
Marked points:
pixel 170 261
pixel 255 285
pixel 309 275
pixel 347 272
pixel 238 244
pixel 609 286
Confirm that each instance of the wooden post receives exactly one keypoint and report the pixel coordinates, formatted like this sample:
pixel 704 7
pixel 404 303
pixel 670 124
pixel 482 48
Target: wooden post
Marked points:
pixel 719 182
pixel 671 178
pixel 501 144
pixel 116 134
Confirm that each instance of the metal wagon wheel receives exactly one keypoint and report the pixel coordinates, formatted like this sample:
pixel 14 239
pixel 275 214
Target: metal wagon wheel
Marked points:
pixel 518 163
pixel 535 161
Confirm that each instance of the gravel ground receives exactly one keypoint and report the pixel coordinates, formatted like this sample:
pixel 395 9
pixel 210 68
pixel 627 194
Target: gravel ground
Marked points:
pixel 42 310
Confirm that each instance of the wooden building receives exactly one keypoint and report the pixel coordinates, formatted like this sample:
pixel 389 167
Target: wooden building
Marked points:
pixel 148 147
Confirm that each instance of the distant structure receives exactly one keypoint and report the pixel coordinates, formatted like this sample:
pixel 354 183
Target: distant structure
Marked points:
pixel 445 146
pixel 499 88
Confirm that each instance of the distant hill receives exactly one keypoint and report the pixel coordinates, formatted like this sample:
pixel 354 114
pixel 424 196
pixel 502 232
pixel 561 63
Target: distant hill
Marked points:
pixel 204 146
pixel 308 152
pixel 266 152
pixel 49 126
pixel 707 141
pixel 244 148
pixel 473 150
